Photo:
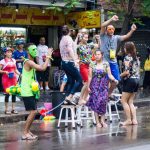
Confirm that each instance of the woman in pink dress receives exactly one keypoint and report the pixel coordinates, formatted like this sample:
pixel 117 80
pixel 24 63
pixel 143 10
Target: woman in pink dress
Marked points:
pixel 9 78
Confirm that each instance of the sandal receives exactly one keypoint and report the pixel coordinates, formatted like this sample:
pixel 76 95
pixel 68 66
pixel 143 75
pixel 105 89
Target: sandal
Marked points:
pixel 28 137
pixel 14 112
pixel 7 112
pixel 33 135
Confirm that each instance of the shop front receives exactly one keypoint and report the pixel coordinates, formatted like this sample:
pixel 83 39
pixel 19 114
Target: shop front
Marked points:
pixel 29 24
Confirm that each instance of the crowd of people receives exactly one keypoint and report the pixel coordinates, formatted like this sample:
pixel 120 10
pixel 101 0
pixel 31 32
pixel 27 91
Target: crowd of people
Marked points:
pixel 90 67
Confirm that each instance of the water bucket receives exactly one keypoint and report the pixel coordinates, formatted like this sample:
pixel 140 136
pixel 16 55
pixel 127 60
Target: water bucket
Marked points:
pixel 11 75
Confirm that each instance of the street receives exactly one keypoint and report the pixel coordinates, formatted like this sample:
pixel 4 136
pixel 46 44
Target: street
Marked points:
pixel 89 137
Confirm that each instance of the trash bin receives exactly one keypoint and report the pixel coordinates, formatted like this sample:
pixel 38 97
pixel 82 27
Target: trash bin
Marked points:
pixel 57 98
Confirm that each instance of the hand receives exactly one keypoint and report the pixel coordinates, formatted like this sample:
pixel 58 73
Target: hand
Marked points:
pixel 76 63
pixel 127 73
pixel 49 54
pixel 79 34
pixel 6 72
pixel 115 18
pixel 133 27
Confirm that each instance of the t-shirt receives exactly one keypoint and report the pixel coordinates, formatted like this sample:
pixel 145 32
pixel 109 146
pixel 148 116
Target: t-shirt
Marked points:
pixel 42 51
pixel 17 55
pixel 107 43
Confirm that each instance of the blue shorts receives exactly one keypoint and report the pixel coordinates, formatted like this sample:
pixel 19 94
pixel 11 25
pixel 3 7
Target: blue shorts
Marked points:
pixel 115 70
pixel 64 79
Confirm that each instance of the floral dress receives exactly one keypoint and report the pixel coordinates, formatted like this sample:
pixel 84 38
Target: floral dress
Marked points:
pixel 99 90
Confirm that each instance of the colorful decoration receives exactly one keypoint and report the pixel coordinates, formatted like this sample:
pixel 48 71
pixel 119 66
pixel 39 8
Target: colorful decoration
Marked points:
pixel 14 90
pixel 35 89
pixel 46 115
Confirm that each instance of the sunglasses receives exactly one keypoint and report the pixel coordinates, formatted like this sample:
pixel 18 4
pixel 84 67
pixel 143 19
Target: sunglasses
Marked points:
pixel 110 29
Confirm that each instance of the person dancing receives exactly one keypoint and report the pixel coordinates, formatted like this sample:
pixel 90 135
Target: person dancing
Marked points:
pixel 28 77
pixel 130 83
pixel 69 64
pixel 84 51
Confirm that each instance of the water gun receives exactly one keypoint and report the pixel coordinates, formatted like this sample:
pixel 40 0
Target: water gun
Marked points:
pixel 35 89
pixel 14 90
pixel 48 118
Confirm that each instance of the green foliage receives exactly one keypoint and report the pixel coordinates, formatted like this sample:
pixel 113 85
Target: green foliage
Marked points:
pixel 137 21
pixel 69 6
pixel 146 7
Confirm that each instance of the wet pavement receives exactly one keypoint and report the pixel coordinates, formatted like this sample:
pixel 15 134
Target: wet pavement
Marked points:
pixel 89 137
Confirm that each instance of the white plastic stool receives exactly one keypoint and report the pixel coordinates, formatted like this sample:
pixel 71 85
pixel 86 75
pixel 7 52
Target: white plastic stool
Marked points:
pixel 109 113
pixel 73 119
pixel 83 113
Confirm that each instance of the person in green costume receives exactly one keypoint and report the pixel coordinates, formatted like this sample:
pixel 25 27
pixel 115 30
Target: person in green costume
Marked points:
pixel 28 77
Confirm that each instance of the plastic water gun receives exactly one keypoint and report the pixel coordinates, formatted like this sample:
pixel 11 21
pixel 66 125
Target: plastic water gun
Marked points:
pixel 48 118
pixel 14 90
pixel 35 89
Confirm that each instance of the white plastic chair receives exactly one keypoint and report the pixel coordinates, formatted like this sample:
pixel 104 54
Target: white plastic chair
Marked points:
pixel 110 114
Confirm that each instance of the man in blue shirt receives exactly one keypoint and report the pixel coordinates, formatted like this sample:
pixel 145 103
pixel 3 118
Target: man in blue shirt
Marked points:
pixel 20 54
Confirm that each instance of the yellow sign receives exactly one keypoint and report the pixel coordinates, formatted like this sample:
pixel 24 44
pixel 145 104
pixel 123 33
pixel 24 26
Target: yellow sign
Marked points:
pixel 85 19
pixel 30 16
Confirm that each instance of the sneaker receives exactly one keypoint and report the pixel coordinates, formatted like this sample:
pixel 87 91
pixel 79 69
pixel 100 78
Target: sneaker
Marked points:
pixel 47 88
pixel 41 88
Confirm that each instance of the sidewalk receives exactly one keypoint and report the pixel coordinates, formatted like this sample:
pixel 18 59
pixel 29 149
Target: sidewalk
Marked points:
pixel 140 101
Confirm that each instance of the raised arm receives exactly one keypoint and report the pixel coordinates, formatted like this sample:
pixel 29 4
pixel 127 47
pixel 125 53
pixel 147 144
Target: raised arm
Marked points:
pixel 44 66
pixel 106 23
pixel 129 34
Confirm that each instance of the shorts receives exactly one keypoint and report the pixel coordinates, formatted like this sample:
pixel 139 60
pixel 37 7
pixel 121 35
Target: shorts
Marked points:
pixel 84 71
pixel 130 85
pixel 43 76
pixel 30 103
pixel 115 70
pixel 64 80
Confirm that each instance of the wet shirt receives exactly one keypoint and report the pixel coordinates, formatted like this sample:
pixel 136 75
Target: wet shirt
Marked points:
pixel 108 43
pixel 85 53
pixel 133 65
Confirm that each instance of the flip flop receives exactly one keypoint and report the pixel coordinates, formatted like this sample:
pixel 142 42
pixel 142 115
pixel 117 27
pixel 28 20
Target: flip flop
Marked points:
pixel 33 135
pixel 28 137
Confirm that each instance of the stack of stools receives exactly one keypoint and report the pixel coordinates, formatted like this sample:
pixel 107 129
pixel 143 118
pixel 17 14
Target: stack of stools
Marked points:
pixel 110 114
pixel 83 113
pixel 74 119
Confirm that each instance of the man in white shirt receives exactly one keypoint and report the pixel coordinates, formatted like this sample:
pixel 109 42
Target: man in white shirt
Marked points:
pixel 42 51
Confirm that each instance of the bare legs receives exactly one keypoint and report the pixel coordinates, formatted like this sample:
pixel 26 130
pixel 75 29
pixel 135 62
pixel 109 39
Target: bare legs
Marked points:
pixel 28 124
pixel 46 85
pixel 84 94
pixel 129 108
pixel 100 121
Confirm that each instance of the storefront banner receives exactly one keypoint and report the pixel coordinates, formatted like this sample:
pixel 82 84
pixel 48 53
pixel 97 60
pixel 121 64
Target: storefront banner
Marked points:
pixel 30 16
pixel 85 19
